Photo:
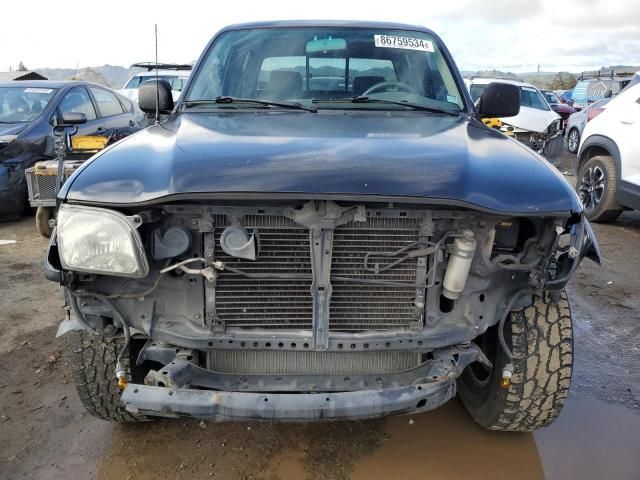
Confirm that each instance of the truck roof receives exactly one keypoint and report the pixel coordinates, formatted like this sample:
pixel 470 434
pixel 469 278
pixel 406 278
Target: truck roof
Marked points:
pixel 326 23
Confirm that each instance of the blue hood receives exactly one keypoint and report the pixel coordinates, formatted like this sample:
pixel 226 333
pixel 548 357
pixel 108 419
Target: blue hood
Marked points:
pixel 428 157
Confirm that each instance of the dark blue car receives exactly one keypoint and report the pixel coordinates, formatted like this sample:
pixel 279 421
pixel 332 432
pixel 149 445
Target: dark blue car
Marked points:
pixel 322 228
pixel 28 111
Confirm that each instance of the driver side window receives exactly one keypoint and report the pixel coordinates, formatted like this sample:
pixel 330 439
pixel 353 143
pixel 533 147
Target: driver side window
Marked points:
pixel 78 100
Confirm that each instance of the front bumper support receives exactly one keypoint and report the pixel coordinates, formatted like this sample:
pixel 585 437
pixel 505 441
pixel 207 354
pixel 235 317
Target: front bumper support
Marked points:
pixel 237 406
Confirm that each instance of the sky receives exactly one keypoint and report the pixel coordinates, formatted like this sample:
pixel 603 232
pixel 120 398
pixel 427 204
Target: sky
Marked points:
pixel 508 35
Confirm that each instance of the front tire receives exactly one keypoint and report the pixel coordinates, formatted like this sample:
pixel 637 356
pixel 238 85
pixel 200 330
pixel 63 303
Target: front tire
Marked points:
pixel 93 363
pixel 541 340
pixel 597 186
pixel 43 215
pixel 573 140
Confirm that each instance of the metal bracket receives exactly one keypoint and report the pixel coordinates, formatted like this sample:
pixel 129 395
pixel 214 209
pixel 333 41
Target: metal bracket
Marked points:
pixel 326 215
pixel 204 224
pixel 212 318
pixel 426 231
pixel 321 290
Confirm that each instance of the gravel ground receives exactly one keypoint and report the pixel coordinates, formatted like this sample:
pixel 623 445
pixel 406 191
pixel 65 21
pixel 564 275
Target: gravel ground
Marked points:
pixel 44 433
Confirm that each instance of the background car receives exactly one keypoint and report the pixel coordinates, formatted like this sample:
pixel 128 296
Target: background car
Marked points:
pixel 634 80
pixel 175 74
pixel 578 121
pixel 596 86
pixel 565 97
pixel 536 126
pixel 560 108
pixel 609 159
pixel 29 110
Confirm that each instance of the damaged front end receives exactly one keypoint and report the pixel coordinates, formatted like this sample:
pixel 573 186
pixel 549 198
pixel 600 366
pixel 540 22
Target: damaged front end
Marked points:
pixel 548 142
pixel 306 309
pixel 16 156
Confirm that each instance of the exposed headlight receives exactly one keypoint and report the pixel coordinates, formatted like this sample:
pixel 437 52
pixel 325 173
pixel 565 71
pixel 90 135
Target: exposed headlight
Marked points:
pixel 97 240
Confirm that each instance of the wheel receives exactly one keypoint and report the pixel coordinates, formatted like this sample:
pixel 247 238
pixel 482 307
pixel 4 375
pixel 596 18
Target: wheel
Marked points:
pixel 573 140
pixel 93 363
pixel 43 215
pixel 541 340
pixel 597 184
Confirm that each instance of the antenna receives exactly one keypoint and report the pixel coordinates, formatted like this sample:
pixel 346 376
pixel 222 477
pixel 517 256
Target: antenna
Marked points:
pixel 157 80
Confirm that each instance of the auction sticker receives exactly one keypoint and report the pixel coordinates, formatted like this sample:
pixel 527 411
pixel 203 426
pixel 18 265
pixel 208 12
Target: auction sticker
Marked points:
pixel 37 90
pixel 407 43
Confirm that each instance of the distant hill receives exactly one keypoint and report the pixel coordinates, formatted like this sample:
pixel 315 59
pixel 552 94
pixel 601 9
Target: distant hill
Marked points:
pixel 549 80
pixel 110 75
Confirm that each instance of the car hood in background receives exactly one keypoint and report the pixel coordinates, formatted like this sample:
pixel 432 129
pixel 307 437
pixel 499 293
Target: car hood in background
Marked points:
pixel 532 119
pixel 12 128
pixel 563 108
pixel 425 156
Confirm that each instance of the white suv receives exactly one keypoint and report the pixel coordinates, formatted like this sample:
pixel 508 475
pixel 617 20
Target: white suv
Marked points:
pixel 608 167
pixel 176 75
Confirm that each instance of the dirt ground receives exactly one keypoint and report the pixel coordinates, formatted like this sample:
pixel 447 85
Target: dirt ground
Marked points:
pixel 45 434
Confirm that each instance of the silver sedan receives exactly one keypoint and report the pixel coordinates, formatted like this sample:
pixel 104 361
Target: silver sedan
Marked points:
pixel 577 122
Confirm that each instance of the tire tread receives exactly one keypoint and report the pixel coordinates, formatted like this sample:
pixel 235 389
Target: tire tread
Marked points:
pixel 542 348
pixel 93 363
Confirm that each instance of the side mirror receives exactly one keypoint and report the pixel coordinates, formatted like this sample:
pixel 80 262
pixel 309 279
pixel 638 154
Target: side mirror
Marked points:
pixel 73 118
pixel 499 100
pixel 148 92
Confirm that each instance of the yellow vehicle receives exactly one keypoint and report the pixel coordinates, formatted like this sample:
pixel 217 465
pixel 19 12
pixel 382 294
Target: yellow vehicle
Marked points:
pixel 492 122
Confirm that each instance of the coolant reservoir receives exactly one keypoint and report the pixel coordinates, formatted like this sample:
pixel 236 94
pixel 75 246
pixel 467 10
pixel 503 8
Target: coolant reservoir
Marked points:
pixel 459 264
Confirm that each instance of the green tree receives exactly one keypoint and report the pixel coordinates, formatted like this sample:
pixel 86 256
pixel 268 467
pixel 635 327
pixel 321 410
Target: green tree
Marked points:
pixel 563 81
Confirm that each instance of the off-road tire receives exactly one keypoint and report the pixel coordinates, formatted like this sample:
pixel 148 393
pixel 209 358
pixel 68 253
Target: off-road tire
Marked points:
pixel 608 209
pixel 93 363
pixel 43 215
pixel 541 340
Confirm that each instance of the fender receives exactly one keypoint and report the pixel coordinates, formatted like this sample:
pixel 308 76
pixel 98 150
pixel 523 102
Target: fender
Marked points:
pixel 600 141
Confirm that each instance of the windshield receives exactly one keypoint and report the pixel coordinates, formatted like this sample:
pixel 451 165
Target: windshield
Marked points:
pixel 175 81
pixel 551 97
pixel 532 98
pixel 23 104
pixel 322 66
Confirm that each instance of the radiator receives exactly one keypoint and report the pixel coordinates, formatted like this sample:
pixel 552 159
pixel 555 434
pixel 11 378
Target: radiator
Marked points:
pixel 282 362
pixel 284 248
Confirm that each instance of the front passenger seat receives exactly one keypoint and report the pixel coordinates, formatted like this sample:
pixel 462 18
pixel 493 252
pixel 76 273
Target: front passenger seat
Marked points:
pixel 284 84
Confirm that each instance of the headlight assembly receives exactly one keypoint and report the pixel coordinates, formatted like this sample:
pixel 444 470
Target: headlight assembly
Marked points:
pixel 97 240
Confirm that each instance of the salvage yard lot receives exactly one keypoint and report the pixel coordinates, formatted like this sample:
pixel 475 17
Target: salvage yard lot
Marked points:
pixel 44 432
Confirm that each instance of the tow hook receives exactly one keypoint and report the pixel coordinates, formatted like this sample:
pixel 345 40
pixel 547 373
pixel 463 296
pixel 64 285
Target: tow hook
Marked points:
pixel 507 373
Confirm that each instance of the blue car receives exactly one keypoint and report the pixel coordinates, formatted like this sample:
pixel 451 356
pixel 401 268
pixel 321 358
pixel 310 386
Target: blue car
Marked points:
pixel 28 111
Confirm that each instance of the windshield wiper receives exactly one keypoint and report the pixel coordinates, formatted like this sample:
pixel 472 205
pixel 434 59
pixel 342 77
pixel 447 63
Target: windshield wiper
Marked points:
pixel 266 103
pixel 415 106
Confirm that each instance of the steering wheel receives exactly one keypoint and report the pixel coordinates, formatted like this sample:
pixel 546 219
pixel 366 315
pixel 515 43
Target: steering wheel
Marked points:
pixel 385 86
